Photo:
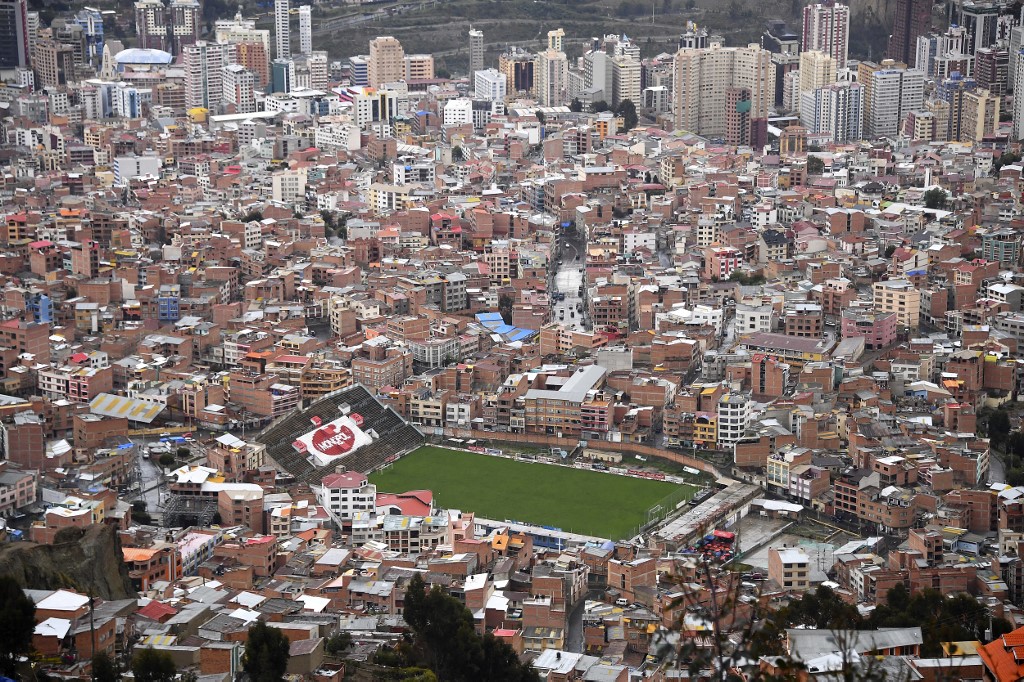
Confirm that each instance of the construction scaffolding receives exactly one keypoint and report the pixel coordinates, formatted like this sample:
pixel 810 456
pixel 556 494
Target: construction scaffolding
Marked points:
pixel 182 511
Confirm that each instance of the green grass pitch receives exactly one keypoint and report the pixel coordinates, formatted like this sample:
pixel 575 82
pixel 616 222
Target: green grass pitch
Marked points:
pixel 580 501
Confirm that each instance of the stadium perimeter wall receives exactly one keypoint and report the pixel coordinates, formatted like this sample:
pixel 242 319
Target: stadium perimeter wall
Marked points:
pixel 555 441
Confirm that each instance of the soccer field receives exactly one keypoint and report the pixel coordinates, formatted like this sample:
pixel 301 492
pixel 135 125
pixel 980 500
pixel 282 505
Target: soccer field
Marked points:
pixel 580 501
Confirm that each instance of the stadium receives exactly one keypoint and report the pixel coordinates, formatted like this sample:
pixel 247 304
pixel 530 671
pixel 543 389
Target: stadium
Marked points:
pixel 347 428
pixel 351 429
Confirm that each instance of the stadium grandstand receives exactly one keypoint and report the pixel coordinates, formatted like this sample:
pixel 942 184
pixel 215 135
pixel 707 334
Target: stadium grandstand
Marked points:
pixel 348 428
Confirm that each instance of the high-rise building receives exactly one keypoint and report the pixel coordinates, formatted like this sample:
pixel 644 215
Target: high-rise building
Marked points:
pixel 418 67
pixel 476 51
pixel 204 73
pixel 319 77
pixel 280 75
pixel 991 69
pixel 552 76
pixel 185 22
pixel 70 33
pixel 91 21
pixel 597 77
pixel 785 48
pixel 952 91
pixel 360 70
pixel 894 93
pixel 387 61
pixel 693 38
pixel 252 45
pixel 306 29
pixel 32 29
pixel 980 115
pixel 1018 129
pixel 254 57
pixel 517 65
pixel 737 116
pixel 982 22
pixel 151 22
pixel 239 30
pixel 53 63
pixel 939 54
pixel 778 38
pixel 239 86
pixel 836 110
pixel 490 84
pixel 556 40
pixel 703 77
pixel 911 19
pixel 626 78
pixel 826 28
pixel 282 29
pixel 1016 43
pixel 817 70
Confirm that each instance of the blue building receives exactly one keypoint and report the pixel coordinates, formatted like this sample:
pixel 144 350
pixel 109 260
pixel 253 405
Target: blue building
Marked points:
pixel 41 308
pixel 168 303
pixel 91 21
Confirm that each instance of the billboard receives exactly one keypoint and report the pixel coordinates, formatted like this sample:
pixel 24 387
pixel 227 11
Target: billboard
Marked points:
pixel 336 439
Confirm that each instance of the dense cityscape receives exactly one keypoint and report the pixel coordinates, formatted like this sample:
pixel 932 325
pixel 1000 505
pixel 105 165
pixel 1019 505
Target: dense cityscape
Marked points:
pixel 581 363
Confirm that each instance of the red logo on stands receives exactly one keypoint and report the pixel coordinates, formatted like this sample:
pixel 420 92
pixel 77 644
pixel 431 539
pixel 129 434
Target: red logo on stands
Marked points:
pixel 334 440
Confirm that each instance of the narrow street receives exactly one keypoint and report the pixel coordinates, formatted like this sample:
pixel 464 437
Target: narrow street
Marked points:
pixel 569 276
pixel 574 627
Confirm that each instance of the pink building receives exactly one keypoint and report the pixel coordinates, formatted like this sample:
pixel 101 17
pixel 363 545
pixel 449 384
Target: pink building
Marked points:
pixel 878 329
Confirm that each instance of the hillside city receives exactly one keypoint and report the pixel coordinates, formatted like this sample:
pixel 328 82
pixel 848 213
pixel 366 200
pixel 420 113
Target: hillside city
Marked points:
pixel 610 367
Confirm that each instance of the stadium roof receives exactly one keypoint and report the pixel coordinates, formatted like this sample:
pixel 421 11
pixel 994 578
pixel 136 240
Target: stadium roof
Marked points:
pixel 110 405
pixel 138 55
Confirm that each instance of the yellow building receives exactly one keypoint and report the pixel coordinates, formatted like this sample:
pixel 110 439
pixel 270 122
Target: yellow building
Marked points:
pixel 901 297
pixel 705 429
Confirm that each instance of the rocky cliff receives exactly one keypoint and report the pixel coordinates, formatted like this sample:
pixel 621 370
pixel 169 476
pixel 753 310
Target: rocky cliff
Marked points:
pixel 87 560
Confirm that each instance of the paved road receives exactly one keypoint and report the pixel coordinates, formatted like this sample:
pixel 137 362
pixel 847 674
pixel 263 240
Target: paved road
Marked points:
pixel 153 488
pixel 568 278
pixel 574 627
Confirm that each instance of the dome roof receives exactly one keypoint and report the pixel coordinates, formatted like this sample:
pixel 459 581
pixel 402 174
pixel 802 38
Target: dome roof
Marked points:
pixel 138 55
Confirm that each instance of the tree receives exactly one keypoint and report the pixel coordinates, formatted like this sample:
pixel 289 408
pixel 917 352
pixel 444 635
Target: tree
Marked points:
pixel 253 217
pixel 1015 445
pixel 998 428
pixel 337 643
pixel 139 513
pixel 627 110
pixel 444 633
pixel 541 117
pixel 1005 159
pixel 150 665
pixel 935 198
pixel 103 668
pixel 183 453
pixel 17 623
pixel 889 250
pixel 599 106
pixel 266 653
pixel 815 166
pixel 166 459
pixel 576 106
pixel 505 302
